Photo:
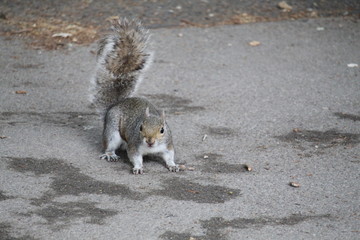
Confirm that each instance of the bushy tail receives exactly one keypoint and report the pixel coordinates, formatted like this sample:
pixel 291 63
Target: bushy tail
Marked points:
pixel 121 59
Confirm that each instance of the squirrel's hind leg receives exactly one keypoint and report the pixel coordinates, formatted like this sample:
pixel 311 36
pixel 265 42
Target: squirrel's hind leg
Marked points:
pixel 111 143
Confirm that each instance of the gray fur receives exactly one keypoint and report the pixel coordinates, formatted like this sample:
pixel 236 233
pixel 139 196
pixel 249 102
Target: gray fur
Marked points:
pixel 121 60
pixel 131 122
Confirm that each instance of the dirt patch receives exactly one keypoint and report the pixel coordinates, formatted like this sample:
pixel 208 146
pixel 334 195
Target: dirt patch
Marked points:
pixel 50 33
pixel 173 104
pixel 185 190
pixel 215 225
pixel 52 24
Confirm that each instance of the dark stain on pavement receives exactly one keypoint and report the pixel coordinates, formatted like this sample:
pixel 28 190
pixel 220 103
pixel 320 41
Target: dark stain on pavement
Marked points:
pixel 347 116
pixel 219 131
pixel 5 233
pixel 28 66
pixel 215 225
pixel 68 180
pixel 65 212
pixel 210 164
pixel 70 119
pixel 3 196
pixel 173 104
pixel 326 139
pixel 185 190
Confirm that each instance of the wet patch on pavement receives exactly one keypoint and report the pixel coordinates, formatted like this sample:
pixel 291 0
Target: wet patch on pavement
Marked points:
pixel 68 180
pixel 320 139
pixel 347 116
pixel 4 196
pixel 185 190
pixel 5 233
pixel 219 131
pixel 67 119
pixel 210 164
pixel 215 226
pixel 173 104
pixel 66 212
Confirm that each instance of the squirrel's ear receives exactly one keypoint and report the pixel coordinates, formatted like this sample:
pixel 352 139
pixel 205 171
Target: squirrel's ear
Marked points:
pixel 163 115
pixel 147 112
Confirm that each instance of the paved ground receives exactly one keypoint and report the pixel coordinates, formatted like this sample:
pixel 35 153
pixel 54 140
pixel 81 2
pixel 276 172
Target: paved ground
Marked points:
pixel 288 108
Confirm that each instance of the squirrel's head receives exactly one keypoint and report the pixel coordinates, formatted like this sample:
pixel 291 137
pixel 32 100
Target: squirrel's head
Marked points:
pixel 153 129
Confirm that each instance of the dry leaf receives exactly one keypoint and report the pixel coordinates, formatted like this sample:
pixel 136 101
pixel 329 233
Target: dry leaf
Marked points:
pixel 352 65
pixel 63 35
pixel 182 167
pixel 296 130
pixel 248 168
pixel 112 18
pixel 284 6
pixel 254 43
pixel 294 184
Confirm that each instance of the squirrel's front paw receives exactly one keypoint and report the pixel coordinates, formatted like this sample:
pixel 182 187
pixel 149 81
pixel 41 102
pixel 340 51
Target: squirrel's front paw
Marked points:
pixel 137 171
pixel 110 157
pixel 174 168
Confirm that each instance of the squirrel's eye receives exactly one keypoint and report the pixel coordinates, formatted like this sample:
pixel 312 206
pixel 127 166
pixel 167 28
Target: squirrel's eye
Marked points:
pixel 162 130
pixel 141 128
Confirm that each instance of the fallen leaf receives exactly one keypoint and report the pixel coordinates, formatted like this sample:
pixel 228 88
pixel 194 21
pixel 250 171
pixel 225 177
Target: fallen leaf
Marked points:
pixel 352 65
pixel 254 43
pixel 112 18
pixel 296 130
pixel 248 168
pixel 284 6
pixel 294 184
pixel 63 35
pixel 182 167
pixel 21 92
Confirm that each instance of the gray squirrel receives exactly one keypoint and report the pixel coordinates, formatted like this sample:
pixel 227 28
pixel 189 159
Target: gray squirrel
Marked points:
pixel 132 123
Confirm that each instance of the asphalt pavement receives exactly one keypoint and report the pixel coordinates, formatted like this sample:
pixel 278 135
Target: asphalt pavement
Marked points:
pixel 265 118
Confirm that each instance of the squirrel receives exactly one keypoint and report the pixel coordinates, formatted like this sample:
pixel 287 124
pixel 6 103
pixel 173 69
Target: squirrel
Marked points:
pixel 132 123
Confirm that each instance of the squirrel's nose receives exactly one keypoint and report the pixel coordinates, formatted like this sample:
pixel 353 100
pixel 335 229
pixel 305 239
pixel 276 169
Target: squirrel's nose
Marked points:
pixel 150 142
